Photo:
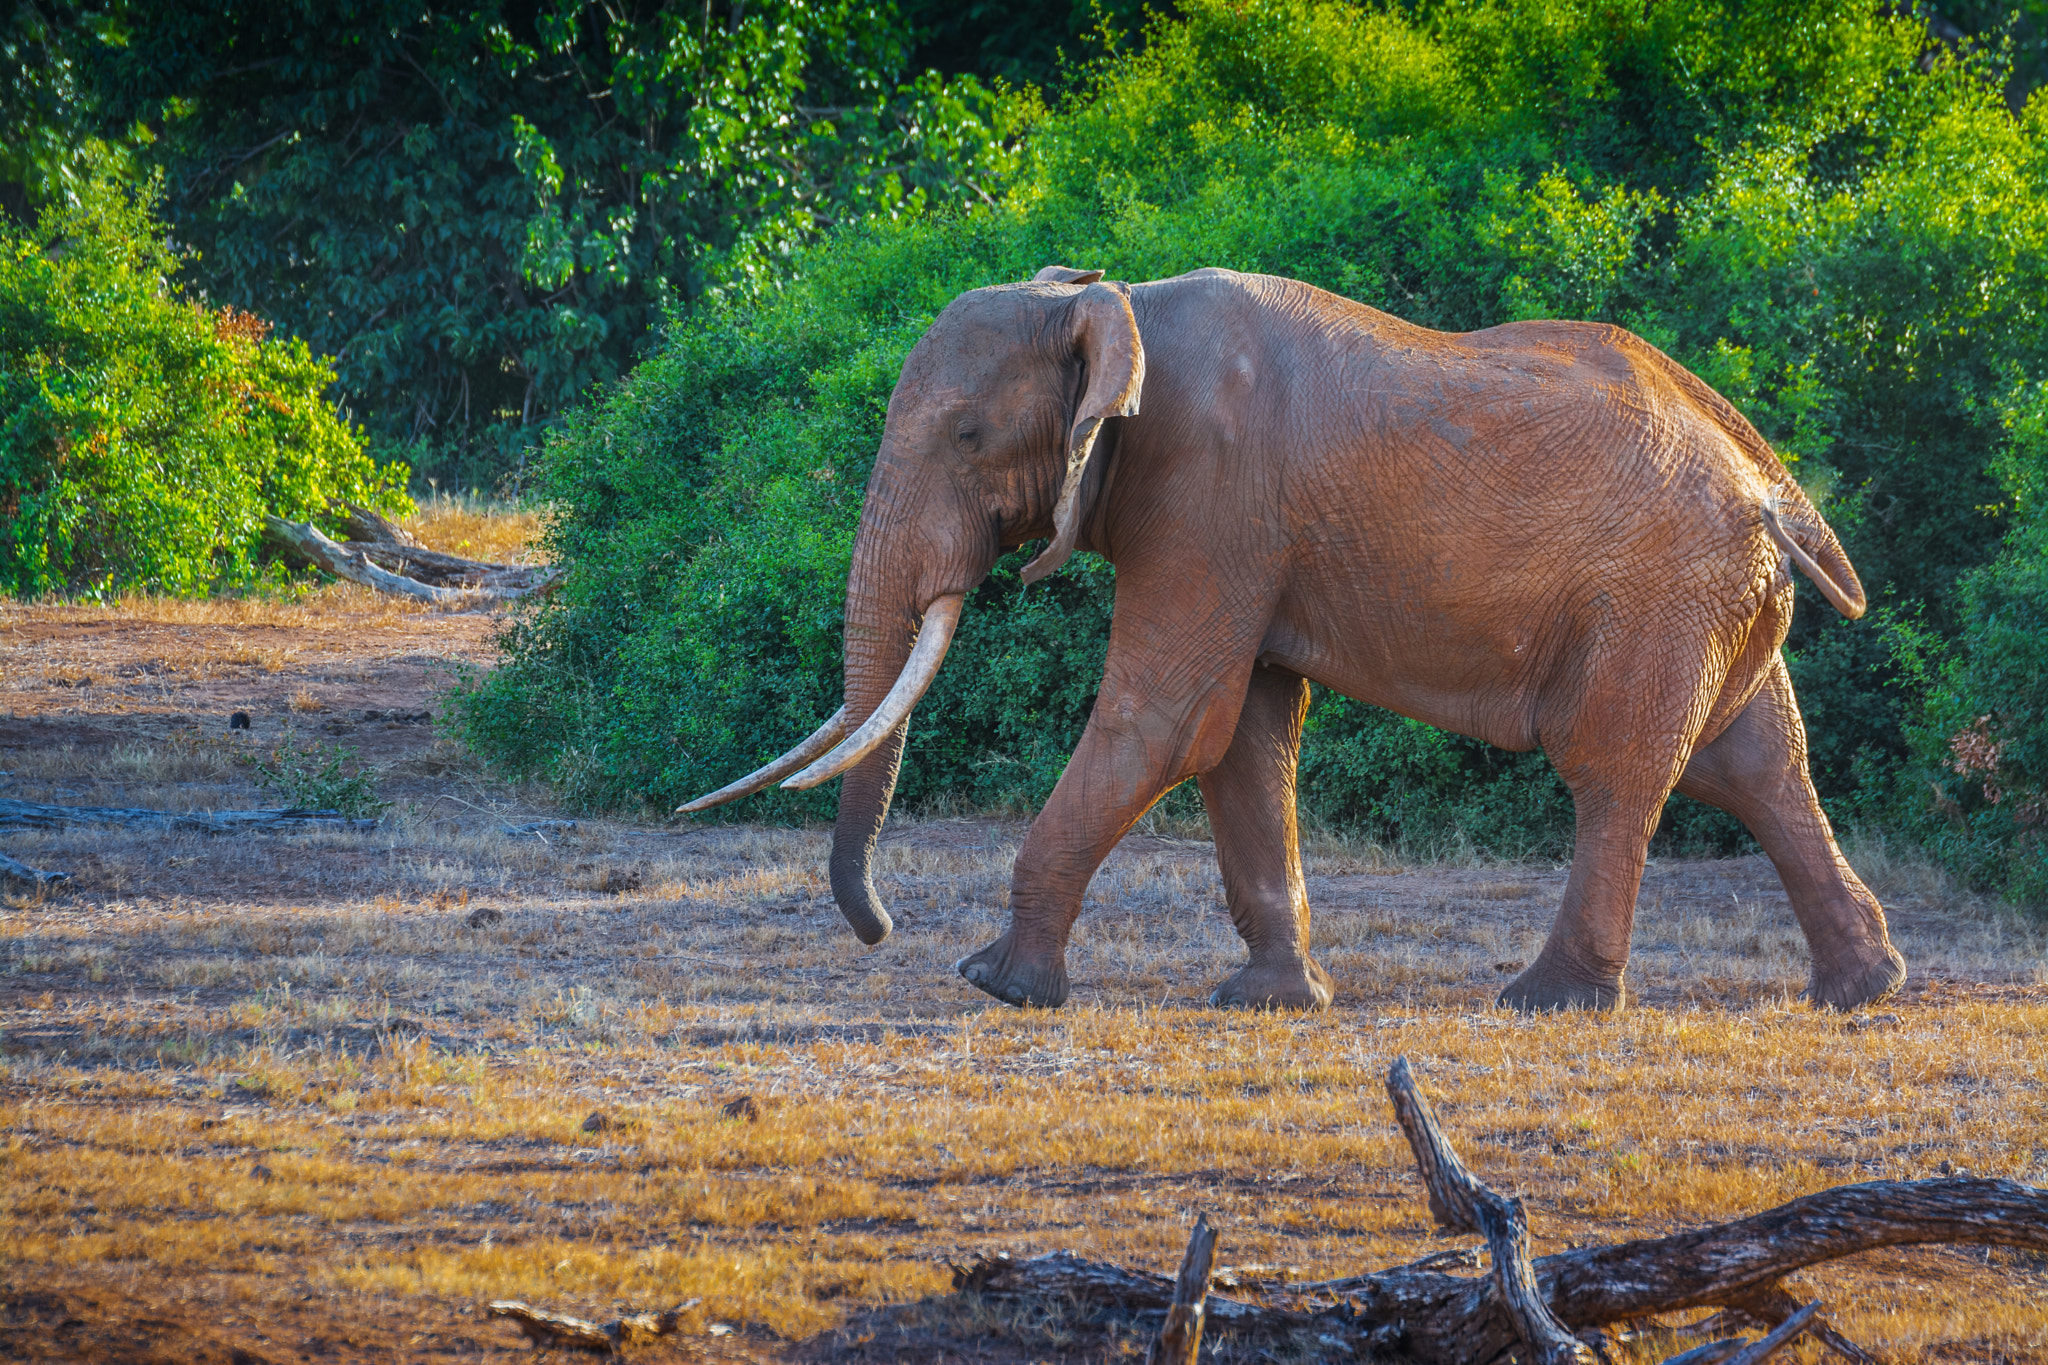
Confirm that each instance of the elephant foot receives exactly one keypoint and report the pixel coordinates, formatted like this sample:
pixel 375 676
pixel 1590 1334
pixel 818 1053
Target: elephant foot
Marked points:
pixel 1275 986
pixel 1542 988
pixel 1860 983
pixel 1016 977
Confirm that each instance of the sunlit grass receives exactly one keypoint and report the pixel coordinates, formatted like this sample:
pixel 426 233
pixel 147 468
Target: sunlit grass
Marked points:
pixel 498 533
pixel 352 1075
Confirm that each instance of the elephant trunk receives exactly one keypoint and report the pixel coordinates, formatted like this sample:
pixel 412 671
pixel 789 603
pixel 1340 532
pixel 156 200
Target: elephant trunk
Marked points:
pixel 904 587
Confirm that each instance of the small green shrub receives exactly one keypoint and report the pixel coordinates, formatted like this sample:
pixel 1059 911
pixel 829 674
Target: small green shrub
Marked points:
pixel 143 436
pixel 315 776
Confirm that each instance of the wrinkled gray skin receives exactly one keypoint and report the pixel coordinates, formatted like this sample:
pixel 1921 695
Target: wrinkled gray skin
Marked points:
pixel 1547 534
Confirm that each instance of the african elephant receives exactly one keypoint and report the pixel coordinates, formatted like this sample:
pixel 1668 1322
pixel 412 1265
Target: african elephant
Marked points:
pixel 1545 533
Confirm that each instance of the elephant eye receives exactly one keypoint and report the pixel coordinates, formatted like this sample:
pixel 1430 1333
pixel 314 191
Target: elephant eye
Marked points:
pixel 967 435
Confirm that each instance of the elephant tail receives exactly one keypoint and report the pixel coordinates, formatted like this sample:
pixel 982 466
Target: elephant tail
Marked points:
pixel 1830 569
pixel 1801 531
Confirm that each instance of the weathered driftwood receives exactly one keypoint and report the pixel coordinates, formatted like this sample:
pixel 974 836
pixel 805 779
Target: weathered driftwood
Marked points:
pixel 13 870
pixel 406 570
pixel 559 1331
pixel 1180 1337
pixel 1712 1353
pixel 365 525
pixel 1421 1311
pixel 1462 1202
pixel 31 815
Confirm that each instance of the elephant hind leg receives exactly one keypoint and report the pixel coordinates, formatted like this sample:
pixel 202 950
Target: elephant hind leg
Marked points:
pixel 1756 771
pixel 1250 796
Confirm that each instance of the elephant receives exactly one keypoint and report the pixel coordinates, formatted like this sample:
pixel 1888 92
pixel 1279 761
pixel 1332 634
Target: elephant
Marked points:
pixel 1544 533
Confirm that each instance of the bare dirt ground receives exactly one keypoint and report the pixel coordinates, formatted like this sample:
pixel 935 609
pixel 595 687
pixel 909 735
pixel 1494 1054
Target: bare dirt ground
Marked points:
pixel 323 1096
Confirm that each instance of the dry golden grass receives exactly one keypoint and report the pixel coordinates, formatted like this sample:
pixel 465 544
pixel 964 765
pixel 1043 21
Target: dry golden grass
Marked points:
pixel 325 1095
pixel 327 1073
pixel 337 606
pixel 477 529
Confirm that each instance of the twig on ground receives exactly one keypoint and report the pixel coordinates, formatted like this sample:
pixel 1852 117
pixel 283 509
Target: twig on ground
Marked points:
pixel 1764 1347
pixel 1712 1353
pixel 540 829
pixel 559 1331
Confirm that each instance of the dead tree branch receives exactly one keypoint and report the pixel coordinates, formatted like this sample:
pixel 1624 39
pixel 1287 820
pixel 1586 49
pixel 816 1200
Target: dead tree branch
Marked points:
pixel 1463 1201
pixel 401 567
pixel 30 815
pixel 559 1331
pixel 1180 1337
pixel 1762 1349
pixel 1535 1306
pixel 366 525
pixel 34 876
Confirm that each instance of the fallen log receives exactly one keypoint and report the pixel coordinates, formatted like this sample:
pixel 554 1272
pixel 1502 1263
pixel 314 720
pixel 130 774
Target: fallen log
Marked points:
pixel 366 525
pixel 34 876
pixel 31 815
pixel 1538 1308
pixel 358 561
pixel 558 1331
pixel 433 567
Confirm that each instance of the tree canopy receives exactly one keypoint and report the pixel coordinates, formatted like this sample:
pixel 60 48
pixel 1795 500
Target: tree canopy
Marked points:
pixel 480 210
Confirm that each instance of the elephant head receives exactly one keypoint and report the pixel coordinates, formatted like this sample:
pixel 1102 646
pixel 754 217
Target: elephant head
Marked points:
pixel 986 445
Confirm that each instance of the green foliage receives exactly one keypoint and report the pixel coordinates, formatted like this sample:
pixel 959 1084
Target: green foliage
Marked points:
pixel 1837 225
pixel 315 776
pixel 1023 42
pixel 143 436
pixel 479 210
pixel 44 155
pixel 1981 779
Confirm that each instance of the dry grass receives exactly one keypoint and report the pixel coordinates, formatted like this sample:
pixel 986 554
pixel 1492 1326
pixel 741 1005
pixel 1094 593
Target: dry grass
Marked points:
pixel 337 606
pixel 477 529
pixel 284 1097
pixel 330 1074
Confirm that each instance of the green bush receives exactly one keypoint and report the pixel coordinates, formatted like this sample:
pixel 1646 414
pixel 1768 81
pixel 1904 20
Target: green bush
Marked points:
pixel 1839 229
pixel 309 775
pixel 479 209
pixel 143 436
pixel 1981 780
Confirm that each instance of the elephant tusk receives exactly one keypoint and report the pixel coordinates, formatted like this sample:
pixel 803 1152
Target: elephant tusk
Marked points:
pixel 826 735
pixel 933 637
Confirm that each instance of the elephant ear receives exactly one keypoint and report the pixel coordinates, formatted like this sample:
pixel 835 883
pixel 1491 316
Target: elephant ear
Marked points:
pixel 1111 355
pixel 1063 274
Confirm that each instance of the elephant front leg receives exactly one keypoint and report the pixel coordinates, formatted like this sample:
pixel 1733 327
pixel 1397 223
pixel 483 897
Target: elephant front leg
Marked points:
pixel 1619 741
pixel 1584 957
pixel 1140 742
pixel 1250 796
